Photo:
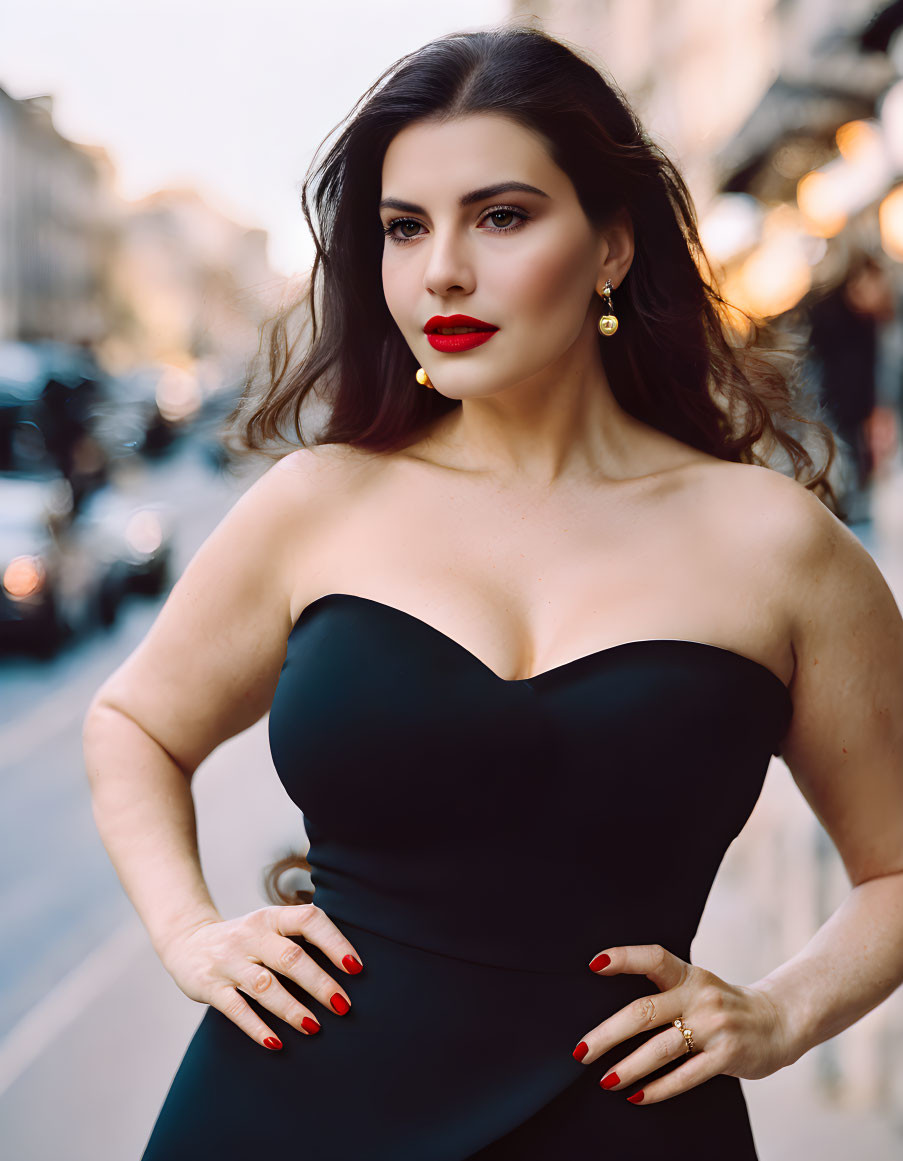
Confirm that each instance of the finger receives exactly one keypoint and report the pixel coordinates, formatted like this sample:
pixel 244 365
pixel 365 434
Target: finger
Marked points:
pixel 290 959
pixel 638 1016
pixel 256 980
pixel 650 1056
pixel 647 959
pixel 314 924
pixel 230 1002
pixel 698 1068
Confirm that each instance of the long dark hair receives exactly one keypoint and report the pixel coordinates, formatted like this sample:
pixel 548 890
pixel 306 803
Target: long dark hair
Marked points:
pixel 683 359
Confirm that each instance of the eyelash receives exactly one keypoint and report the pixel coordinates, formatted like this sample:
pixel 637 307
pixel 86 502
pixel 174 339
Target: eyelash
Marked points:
pixel 387 230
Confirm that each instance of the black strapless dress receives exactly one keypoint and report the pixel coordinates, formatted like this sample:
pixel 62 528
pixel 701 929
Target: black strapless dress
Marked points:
pixel 479 841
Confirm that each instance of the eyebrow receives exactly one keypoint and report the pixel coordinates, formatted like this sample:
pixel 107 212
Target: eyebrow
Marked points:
pixel 475 195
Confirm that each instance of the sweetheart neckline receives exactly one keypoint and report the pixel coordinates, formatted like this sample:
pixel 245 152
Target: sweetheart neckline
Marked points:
pixel 556 669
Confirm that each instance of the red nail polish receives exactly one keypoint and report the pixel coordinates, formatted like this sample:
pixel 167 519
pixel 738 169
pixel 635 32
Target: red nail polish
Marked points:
pixel 340 1004
pixel 636 1098
pixel 600 961
pixel 581 1050
pixel 310 1025
pixel 273 1042
pixel 610 1081
pixel 352 965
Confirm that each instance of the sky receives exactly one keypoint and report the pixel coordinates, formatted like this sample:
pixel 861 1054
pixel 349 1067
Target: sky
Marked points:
pixel 231 97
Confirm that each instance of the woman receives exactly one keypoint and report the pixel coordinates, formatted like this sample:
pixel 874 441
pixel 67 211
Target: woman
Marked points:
pixel 844 338
pixel 531 619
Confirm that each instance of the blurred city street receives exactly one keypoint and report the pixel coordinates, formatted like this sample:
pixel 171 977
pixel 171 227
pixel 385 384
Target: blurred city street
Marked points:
pixel 147 239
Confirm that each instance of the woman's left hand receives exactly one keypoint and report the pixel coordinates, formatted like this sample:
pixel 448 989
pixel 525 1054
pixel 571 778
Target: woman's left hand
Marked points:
pixel 736 1030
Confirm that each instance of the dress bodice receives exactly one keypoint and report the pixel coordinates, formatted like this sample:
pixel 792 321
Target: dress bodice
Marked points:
pixel 525 822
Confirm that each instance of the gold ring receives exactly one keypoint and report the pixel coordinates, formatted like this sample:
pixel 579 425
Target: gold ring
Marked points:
pixel 687 1034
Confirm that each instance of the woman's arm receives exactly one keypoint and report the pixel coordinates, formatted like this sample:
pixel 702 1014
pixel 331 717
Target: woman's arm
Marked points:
pixel 844 749
pixel 852 963
pixel 144 811
pixel 206 670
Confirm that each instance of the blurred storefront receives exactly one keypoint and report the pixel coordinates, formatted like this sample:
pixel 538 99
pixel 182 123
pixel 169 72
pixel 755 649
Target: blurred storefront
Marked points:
pixel 808 226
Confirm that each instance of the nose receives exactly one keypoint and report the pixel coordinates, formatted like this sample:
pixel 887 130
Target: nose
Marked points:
pixel 449 265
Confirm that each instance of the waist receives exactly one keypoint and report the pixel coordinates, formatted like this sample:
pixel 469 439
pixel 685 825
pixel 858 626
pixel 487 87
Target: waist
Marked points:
pixel 542 936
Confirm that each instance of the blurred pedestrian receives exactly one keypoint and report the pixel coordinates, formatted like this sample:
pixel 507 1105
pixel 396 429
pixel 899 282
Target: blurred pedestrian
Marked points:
pixel 844 339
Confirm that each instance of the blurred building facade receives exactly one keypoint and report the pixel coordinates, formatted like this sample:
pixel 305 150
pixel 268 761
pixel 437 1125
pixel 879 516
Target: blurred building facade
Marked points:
pixel 57 228
pixel 786 119
pixel 189 284
pixel 670 60
pixel 165 279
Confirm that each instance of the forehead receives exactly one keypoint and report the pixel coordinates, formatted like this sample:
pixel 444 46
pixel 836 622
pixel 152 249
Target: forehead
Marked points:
pixel 463 154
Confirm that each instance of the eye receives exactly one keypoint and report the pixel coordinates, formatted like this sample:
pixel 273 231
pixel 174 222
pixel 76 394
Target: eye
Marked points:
pixel 503 211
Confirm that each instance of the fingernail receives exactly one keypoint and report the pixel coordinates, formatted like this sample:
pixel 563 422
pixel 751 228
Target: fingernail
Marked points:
pixel 610 1081
pixel 352 965
pixel 340 1004
pixel 273 1042
pixel 600 961
pixel 310 1025
pixel 636 1098
pixel 581 1050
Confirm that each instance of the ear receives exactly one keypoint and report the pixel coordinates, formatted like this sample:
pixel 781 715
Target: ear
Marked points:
pixel 615 250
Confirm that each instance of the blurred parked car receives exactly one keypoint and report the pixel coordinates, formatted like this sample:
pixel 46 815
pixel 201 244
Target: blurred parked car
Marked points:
pixel 148 407
pixel 142 535
pixel 48 394
pixel 211 430
pixel 62 572
pixel 22 383
pixel 59 407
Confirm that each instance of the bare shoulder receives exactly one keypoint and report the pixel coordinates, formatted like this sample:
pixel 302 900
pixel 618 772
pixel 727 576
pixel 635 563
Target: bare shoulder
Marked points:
pixel 285 502
pixel 778 532
pixel 325 469
pixel 844 743
pixel 776 514
pixel 324 459
pixel 302 498
pixel 209 665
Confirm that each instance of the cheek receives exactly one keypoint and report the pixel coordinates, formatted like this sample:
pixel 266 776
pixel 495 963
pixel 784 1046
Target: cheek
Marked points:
pixel 553 268
pixel 389 279
pixel 550 282
pixel 395 290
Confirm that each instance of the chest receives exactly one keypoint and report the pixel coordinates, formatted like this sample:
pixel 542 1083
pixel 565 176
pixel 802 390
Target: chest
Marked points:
pixel 526 583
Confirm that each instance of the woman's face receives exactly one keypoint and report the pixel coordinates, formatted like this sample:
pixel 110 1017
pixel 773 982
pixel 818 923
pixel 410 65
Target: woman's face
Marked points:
pixel 524 261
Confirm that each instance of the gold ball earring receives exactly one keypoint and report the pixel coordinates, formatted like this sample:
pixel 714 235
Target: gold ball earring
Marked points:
pixel 422 378
pixel 608 323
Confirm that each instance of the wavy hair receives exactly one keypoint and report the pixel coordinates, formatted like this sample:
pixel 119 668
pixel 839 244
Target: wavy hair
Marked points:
pixel 684 361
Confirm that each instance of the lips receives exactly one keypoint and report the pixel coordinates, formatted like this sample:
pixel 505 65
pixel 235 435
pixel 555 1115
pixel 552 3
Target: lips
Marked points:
pixel 451 344
pixel 478 332
pixel 444 322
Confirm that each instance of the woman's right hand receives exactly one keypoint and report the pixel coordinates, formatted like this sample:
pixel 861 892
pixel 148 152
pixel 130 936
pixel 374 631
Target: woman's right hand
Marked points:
pixel 218 959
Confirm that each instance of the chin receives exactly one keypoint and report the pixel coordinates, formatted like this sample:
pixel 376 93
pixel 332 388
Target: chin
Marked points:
pixel 475 392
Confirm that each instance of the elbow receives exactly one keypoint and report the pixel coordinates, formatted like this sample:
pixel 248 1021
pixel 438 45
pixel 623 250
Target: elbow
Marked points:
pixel 107 726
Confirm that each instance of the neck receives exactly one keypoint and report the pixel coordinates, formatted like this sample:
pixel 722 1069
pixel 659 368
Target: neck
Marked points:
pixel 560 426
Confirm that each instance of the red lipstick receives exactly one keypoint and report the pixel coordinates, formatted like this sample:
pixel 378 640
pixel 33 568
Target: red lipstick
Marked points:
pixel 478 332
